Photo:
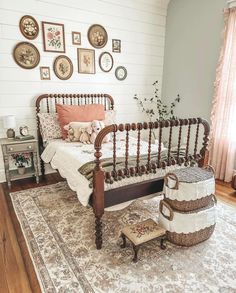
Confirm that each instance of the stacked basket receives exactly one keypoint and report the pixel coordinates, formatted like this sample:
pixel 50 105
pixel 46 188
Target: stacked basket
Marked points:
pixel 188 210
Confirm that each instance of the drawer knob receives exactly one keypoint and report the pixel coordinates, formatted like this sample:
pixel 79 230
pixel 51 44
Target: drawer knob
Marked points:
pixel 10 149
pixel 29 147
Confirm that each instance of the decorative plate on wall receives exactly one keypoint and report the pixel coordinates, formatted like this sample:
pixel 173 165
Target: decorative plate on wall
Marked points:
pixel 121 73
pixel 29 27
pixel 106 61
pixel 97 36
pixel 26 55
pixel 63 67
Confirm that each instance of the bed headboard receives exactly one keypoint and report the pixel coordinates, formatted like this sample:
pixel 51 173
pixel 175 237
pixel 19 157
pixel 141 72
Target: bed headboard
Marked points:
pixel 46 103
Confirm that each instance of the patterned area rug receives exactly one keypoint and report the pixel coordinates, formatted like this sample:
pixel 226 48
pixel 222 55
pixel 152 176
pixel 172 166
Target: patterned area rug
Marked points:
pixel 59 233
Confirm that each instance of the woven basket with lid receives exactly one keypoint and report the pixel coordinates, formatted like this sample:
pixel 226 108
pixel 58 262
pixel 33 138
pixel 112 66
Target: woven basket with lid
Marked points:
pixel 188 228
pixel 190 188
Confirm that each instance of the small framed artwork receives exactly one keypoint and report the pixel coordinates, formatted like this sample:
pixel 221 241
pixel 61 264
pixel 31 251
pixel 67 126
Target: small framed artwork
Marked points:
pixel 106 61
pixel 76 38
pixel 26 55
pixel 97 36
pixel 86 61
pixel 45 73
pixel 116 46
pixel 29 27
pixel 63 67
pixel 121 73
pixel 53 37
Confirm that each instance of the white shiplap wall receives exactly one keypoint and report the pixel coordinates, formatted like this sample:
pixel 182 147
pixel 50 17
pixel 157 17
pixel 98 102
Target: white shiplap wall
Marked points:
pixel 140 24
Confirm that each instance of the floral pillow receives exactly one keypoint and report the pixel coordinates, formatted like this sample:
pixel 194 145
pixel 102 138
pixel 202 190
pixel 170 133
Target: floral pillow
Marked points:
pixel 49 126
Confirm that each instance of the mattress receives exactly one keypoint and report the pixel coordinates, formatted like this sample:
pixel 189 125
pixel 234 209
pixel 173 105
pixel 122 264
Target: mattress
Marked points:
pixel 68 157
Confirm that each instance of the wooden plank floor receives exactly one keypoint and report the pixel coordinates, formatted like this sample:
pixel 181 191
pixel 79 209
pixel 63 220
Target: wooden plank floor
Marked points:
pixel 225 193
pixel 16 268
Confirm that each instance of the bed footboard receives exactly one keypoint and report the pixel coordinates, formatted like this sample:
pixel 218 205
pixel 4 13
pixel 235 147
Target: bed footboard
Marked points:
pixel 174 132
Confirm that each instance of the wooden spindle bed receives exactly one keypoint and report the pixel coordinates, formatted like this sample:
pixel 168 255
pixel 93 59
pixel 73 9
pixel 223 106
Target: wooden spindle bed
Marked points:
pixel 101 198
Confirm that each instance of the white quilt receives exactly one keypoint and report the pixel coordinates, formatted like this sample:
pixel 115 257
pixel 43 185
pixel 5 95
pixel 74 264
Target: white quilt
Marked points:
pixel 67 158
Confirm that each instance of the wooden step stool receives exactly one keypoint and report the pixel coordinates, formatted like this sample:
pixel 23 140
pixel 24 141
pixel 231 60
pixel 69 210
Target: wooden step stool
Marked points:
pixel 141 233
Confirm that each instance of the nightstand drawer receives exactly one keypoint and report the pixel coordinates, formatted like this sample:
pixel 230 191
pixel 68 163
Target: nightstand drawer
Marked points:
pixel 22 147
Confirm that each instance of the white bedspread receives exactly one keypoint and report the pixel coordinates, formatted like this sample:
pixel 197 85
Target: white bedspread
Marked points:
pixel 67 158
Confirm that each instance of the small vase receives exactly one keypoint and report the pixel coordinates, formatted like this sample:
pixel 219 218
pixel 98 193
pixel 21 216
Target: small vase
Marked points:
pixel 21 170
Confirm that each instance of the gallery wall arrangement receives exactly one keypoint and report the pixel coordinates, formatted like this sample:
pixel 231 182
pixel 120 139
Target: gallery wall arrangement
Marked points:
pixel 27 56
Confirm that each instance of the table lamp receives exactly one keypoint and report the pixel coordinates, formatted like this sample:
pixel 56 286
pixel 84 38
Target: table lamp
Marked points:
pixel 9 122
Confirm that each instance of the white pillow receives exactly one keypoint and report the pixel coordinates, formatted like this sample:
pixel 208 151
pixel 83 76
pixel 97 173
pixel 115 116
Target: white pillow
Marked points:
pixel 110 117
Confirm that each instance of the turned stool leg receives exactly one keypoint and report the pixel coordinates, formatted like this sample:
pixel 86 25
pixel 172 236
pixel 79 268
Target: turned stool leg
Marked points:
pixel 162 243
pixel 123 245
pixel 136 249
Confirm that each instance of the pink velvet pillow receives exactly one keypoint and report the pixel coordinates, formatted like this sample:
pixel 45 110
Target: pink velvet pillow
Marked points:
pixel 74 113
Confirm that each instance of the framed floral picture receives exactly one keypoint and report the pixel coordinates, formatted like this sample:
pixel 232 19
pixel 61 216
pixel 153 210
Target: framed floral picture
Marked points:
pixel 97 36
pixel 86 61
pixel 116 46
pixel 26 55
pixel 45 73
pixel 53 37
pixel 63 67
pixel 76 38
pixel 106 61
pixel 29 27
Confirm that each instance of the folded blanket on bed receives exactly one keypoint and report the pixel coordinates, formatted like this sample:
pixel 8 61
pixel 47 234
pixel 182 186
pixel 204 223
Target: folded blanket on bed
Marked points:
pixel 107 164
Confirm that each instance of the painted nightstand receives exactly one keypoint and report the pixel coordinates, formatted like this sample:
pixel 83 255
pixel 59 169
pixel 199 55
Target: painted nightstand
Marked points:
pixel 10 147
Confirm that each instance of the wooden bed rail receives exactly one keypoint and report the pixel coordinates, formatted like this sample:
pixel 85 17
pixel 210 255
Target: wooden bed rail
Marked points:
pixel 151 166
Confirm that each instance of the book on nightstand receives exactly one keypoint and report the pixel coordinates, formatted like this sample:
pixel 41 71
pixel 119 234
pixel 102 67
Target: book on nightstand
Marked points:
pixel 24 137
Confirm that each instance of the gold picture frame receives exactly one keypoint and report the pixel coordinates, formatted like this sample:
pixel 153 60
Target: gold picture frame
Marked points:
pixel 116 46
pixel 26 55
pixel 45 73
pixel 29 27
pixel 76 38
pixel 106 61
pixel 63 67
pixel 86 61
pixel 53 37
pixel 97 36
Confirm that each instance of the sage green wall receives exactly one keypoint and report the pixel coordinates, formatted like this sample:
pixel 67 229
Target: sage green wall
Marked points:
pixel 192 48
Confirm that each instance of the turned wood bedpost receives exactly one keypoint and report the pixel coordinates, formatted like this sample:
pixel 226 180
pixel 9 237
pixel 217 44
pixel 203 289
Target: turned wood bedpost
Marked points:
pixel 204 151
pixel 98 197
pixel 98 184
pixel 40 139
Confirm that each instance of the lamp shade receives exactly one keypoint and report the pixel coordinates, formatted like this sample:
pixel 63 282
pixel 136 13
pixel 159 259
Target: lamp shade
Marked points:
pixel 9 122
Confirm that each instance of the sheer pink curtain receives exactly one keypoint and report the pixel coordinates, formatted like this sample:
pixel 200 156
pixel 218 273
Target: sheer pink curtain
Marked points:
pixel 223 116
